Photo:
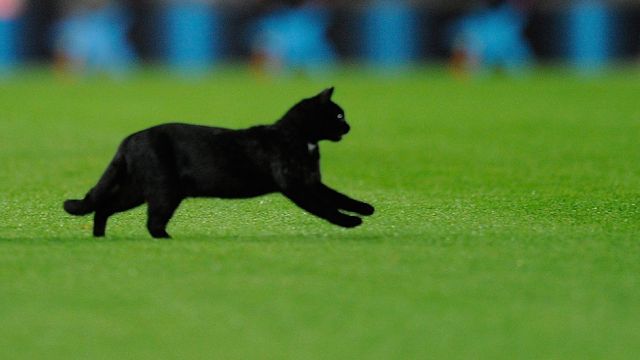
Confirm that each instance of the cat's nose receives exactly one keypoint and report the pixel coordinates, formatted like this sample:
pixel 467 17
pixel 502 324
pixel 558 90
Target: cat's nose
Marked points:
pixel 346 128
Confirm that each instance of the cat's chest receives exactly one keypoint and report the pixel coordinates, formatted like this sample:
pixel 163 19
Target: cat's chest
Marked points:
pixel 302 156
pixel 313 151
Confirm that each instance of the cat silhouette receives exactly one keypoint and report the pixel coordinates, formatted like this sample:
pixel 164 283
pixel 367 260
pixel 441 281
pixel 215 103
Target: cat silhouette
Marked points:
pixel 165 164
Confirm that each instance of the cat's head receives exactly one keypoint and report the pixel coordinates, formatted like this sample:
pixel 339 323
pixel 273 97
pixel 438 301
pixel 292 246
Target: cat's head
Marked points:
pixel 319 117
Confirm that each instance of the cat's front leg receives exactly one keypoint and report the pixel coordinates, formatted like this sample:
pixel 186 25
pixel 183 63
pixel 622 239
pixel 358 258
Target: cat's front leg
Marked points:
pixel 344 202
pixel 307 199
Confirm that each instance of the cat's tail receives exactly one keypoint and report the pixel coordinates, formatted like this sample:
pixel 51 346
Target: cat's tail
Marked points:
pixel 78 207
pixel 99 193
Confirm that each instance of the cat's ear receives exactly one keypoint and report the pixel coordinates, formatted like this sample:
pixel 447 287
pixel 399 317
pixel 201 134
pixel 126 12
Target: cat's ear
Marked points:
pixel 325 95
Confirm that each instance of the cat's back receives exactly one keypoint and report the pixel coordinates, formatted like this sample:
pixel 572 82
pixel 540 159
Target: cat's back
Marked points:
pixel 185 131
pixel 202 142
pixel 171 134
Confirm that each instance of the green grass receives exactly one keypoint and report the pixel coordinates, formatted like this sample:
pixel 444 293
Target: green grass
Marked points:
pixel 508 225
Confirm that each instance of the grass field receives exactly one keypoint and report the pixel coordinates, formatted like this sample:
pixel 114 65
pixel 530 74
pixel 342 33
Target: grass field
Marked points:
pixel 508 225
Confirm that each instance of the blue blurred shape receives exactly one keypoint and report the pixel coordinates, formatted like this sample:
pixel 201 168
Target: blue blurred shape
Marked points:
pixel 191 36
pixel 390 34
pixel 493 38
pixel 96 40
pixel 295 39
pixel 590 34
pixel 10 30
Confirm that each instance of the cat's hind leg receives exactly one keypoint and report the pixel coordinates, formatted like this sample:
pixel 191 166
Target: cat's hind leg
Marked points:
pixel 100 218
pixel 127 197
pixel 159 212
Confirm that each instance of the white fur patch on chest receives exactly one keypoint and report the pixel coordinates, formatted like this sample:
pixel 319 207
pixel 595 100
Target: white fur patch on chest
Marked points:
pixel 312 147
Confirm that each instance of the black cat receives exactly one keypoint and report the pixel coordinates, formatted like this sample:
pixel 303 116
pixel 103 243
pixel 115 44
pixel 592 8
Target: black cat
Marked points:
pixel 165 164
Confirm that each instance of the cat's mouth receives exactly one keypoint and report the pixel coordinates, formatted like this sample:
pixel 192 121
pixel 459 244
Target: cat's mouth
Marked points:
pixel 345 131
pixel 338 137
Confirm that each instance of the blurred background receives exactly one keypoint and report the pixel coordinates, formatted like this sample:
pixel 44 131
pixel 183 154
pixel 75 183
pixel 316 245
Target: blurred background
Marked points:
pixel 309 37
pixel 498 139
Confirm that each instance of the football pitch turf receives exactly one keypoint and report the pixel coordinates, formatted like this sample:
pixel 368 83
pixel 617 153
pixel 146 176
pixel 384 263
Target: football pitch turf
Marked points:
pixel 507 224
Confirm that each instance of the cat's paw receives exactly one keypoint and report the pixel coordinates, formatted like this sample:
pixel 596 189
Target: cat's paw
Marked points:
pixel 366 210
pixel 350 222
pixel 159 234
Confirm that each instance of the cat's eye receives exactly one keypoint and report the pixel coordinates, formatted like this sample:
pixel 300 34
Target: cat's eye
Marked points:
pixel 340 116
